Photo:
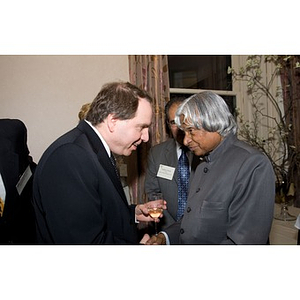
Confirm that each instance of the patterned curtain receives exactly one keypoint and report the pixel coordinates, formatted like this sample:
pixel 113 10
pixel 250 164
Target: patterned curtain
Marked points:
pixel 150 73
pixel 290 78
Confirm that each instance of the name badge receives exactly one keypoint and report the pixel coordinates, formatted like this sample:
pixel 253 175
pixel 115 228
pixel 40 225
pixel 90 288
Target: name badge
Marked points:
pixel 165 172
pixel 23 180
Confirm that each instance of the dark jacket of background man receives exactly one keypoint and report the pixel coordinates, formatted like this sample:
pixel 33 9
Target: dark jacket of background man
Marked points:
pixel 17 222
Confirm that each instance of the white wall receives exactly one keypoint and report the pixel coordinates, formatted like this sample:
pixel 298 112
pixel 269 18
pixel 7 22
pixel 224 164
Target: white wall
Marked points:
pixel 46 92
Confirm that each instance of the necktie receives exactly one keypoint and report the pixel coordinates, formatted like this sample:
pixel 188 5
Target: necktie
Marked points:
pixel 113 161
pixel 183 182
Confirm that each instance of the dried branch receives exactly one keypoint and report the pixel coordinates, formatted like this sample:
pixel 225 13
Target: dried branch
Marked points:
pixel 276 145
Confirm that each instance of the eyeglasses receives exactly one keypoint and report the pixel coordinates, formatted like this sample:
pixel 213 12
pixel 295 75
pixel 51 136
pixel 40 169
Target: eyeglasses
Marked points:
pixel 172 123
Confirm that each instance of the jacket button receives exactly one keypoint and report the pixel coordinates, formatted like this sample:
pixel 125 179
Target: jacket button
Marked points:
pixel 188 209
pixel 205 170
pixel 181 230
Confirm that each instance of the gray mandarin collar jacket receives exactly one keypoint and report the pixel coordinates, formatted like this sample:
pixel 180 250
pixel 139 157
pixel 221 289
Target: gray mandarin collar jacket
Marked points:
pixel 231 198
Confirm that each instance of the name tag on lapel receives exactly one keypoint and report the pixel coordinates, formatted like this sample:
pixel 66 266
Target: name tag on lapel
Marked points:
pixel 165 172
pixel 23 180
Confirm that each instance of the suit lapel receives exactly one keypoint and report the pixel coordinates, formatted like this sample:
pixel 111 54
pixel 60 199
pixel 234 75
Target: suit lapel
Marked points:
pixel 104 160
pixel 102 156
pixel 171 157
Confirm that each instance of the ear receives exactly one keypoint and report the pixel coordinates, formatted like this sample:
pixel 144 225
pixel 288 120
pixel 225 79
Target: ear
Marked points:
pixel 111 122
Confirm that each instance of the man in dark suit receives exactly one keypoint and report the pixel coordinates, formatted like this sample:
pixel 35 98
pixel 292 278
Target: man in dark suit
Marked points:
pixel 162 166
pixel 16 169
pixel 231 198
pixel 78 196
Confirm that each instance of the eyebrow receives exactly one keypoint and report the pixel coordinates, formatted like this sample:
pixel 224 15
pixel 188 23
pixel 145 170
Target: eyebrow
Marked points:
pixel 188 127
pixel 144 125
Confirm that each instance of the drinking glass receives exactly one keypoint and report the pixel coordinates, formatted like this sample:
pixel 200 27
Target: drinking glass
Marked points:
pixel 155 208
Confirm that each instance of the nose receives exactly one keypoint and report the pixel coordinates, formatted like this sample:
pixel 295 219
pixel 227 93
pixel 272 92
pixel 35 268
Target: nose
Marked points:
pixel 186 139
pixel 145 135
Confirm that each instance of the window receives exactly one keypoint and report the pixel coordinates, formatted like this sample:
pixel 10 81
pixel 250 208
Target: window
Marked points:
pixel 190 74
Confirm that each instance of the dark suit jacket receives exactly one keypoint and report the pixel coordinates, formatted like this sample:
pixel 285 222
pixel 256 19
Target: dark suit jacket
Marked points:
pixel 78 198
pixel 231 198
pixel 17 223
pixel 165 153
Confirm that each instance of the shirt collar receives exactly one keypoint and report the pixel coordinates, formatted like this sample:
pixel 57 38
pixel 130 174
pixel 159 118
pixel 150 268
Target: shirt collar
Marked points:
pixel 179 150
pixel 2 189
pixel 100 137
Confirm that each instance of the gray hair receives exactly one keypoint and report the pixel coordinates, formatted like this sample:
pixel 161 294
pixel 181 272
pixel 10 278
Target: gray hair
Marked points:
pixel 207 111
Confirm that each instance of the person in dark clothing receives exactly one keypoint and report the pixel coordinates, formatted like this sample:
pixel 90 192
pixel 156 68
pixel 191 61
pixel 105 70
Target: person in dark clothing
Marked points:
pixel 17 222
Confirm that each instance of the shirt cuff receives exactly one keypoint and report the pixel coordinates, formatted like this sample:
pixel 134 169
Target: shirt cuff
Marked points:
pixel 166 236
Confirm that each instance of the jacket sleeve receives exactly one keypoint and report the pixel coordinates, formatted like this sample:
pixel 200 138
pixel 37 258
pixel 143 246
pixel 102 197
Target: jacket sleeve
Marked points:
pixel 173 233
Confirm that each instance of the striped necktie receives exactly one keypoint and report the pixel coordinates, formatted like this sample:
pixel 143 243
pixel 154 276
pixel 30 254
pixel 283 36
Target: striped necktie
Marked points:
pixel 113 161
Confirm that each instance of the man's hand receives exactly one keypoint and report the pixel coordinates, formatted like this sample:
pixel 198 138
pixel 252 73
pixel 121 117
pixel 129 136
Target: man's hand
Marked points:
pixel 142 214
pixel 159 239
pixel 145 238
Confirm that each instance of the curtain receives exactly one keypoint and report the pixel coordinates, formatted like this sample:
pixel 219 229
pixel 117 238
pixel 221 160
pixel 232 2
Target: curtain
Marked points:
pixel 150 73
pixel 290 78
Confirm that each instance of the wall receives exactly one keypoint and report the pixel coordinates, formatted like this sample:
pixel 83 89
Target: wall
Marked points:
pixel 47 92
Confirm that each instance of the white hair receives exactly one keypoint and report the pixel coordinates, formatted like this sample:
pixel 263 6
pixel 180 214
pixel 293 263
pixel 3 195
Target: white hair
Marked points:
pixel 207 111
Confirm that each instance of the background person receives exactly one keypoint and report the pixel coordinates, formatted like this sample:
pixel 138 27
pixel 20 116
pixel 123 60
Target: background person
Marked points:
pixel 17 223
pixel 166 155
pixel 83 111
